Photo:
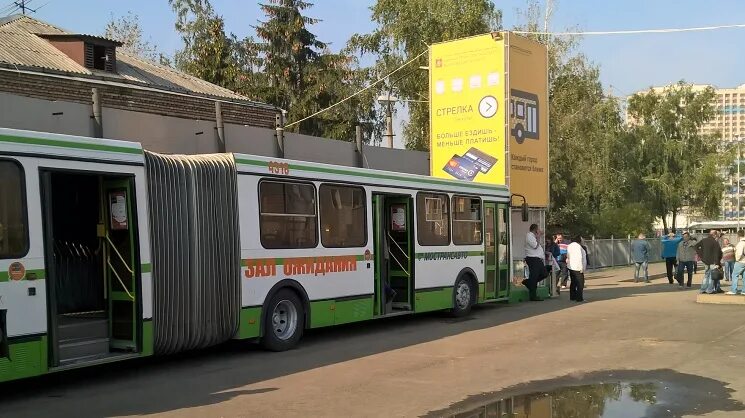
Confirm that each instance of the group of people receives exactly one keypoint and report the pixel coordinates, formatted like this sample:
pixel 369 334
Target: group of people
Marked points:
pixel 721 260
pixel 567 258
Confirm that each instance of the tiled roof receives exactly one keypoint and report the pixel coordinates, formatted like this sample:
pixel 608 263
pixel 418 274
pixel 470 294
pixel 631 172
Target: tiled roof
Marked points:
pixel 20 46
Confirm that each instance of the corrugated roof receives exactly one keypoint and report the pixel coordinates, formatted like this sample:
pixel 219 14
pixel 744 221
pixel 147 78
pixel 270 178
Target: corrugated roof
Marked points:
pixel 21 47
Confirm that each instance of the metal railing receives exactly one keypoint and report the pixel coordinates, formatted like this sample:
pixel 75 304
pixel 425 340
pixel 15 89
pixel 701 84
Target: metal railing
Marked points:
pixel 111 247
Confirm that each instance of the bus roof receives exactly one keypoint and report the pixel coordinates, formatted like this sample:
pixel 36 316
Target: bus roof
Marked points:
pixel 22 142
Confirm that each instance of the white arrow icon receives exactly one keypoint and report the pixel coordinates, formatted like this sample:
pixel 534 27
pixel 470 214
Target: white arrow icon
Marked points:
pixel 488 106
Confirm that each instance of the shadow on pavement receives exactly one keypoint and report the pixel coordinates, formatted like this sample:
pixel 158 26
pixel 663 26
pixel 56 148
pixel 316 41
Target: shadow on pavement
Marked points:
pixel 211 376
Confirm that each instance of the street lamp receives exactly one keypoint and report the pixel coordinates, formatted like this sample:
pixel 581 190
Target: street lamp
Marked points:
pixel 388 101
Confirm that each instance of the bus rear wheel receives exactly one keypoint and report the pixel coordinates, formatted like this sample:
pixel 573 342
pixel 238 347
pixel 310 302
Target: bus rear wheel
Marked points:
pixel 283 321
pixel 464 296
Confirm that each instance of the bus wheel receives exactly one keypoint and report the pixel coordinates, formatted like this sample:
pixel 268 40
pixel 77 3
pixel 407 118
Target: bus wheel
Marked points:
pixel 283 321
pixel 464 296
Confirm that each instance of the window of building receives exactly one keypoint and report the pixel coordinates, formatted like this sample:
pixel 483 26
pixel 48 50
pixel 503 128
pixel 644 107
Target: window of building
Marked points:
pixel 466 220
pixel 343 216
pixel 288 215
pixel 13 226
pixel 433 219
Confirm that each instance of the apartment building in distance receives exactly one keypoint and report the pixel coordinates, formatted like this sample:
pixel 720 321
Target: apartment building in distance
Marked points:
pixel 729 123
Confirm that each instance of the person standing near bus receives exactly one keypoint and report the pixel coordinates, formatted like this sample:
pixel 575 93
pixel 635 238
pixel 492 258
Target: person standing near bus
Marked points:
pixel 669 252
pixel 562 259
pixel 739 267
pixel 728 259
pixel 686 259
pixel 640 250
pixel 577 264
pixel 711 255
pixel 534 258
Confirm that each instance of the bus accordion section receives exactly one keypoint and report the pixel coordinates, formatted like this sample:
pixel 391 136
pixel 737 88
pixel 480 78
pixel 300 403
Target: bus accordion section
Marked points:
pixel 195 250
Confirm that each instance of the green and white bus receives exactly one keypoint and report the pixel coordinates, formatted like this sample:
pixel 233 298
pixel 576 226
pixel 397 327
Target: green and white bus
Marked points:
pixel 110 252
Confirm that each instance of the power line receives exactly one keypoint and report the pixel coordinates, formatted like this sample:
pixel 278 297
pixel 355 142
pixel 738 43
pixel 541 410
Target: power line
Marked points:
pixel 23 5
pixel 359 92
pixel 631 32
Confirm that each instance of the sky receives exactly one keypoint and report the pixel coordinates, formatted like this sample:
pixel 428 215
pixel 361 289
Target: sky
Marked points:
pixel 628 63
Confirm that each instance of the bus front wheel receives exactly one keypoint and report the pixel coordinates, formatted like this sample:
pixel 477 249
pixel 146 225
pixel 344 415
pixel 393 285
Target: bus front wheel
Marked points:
pixel 464 296
pixel 283 321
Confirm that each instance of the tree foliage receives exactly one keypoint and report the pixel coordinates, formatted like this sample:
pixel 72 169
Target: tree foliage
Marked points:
pixel 678 164
pixel 126 29
pixel 404 30
pixel 286 65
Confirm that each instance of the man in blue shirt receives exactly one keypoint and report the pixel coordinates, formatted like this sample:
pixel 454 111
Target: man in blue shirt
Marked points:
pixel 640 250
pixel 670 252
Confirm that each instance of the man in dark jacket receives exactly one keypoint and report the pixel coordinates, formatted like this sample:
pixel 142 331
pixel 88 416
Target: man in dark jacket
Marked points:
pixel 711 255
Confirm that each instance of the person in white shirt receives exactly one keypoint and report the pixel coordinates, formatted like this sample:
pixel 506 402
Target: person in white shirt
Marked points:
pixel 534 258
pixel 577 265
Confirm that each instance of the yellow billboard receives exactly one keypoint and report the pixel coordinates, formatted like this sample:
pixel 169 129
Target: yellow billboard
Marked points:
pixel 467 109
pixel 528 120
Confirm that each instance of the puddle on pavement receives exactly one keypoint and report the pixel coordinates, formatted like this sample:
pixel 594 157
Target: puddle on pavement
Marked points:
pixel 610 394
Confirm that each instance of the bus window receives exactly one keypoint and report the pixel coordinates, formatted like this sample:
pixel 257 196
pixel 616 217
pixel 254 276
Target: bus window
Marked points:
pixel 288 215
pixel 343 216
pixel 13 228
pixel 433 219
pixel 466 220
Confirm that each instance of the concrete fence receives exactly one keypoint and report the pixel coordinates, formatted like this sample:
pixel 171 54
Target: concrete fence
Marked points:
pixel 612 252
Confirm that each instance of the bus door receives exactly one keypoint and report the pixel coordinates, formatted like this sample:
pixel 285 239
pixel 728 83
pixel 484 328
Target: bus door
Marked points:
pixel 491 263
pixel 503 250
pixel 120 254
pixel 394 279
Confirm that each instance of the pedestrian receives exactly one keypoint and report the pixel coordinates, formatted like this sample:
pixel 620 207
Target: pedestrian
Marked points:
pixel 728 259
pixel 577 265
pixel 739 267
pixel 640 250
pixel 552 266
pixel 534 258
pixel 563 243
pixel 686 258
pixel 711 255
pixel 669 250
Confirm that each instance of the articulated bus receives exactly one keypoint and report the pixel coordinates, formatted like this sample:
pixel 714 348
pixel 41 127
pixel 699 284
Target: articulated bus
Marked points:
pixel 110 252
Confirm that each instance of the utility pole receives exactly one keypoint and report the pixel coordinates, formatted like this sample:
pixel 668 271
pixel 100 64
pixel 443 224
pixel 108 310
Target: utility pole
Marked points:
pixel 738 183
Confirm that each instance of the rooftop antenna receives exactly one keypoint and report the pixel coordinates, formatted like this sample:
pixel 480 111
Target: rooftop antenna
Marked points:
pixel 23 5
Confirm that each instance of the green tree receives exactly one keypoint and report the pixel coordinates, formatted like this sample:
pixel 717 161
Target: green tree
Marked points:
pixel 303 76
pixel 593 165
pixel 678 164
pixel 405 29
pixel 208 52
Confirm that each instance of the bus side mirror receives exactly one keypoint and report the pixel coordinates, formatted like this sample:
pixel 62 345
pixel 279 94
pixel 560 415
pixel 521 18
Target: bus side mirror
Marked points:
pixel 524 211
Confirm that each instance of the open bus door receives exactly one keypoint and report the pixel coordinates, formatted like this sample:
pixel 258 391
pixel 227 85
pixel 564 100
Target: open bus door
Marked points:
pixel 394 246
pixel 496 263
pixel 120 262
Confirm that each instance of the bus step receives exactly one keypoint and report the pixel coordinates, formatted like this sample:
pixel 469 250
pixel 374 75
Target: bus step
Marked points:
pixel 83 328
pixel 84 347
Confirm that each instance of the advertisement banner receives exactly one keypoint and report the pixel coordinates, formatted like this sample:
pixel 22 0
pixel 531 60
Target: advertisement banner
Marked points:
pixel 467 109
pixel 528 123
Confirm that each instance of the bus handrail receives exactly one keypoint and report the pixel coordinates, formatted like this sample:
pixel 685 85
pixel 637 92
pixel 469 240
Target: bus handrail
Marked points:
pixel 119 279
pixel 399 247
pixel 121 258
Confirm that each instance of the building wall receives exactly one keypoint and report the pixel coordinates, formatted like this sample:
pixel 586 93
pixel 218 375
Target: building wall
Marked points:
pixel 62 117
pixel 129 98
pixel 174 135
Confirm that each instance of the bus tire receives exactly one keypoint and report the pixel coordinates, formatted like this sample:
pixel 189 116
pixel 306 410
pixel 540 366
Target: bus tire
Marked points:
pixel 464 296
pixel 284 320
